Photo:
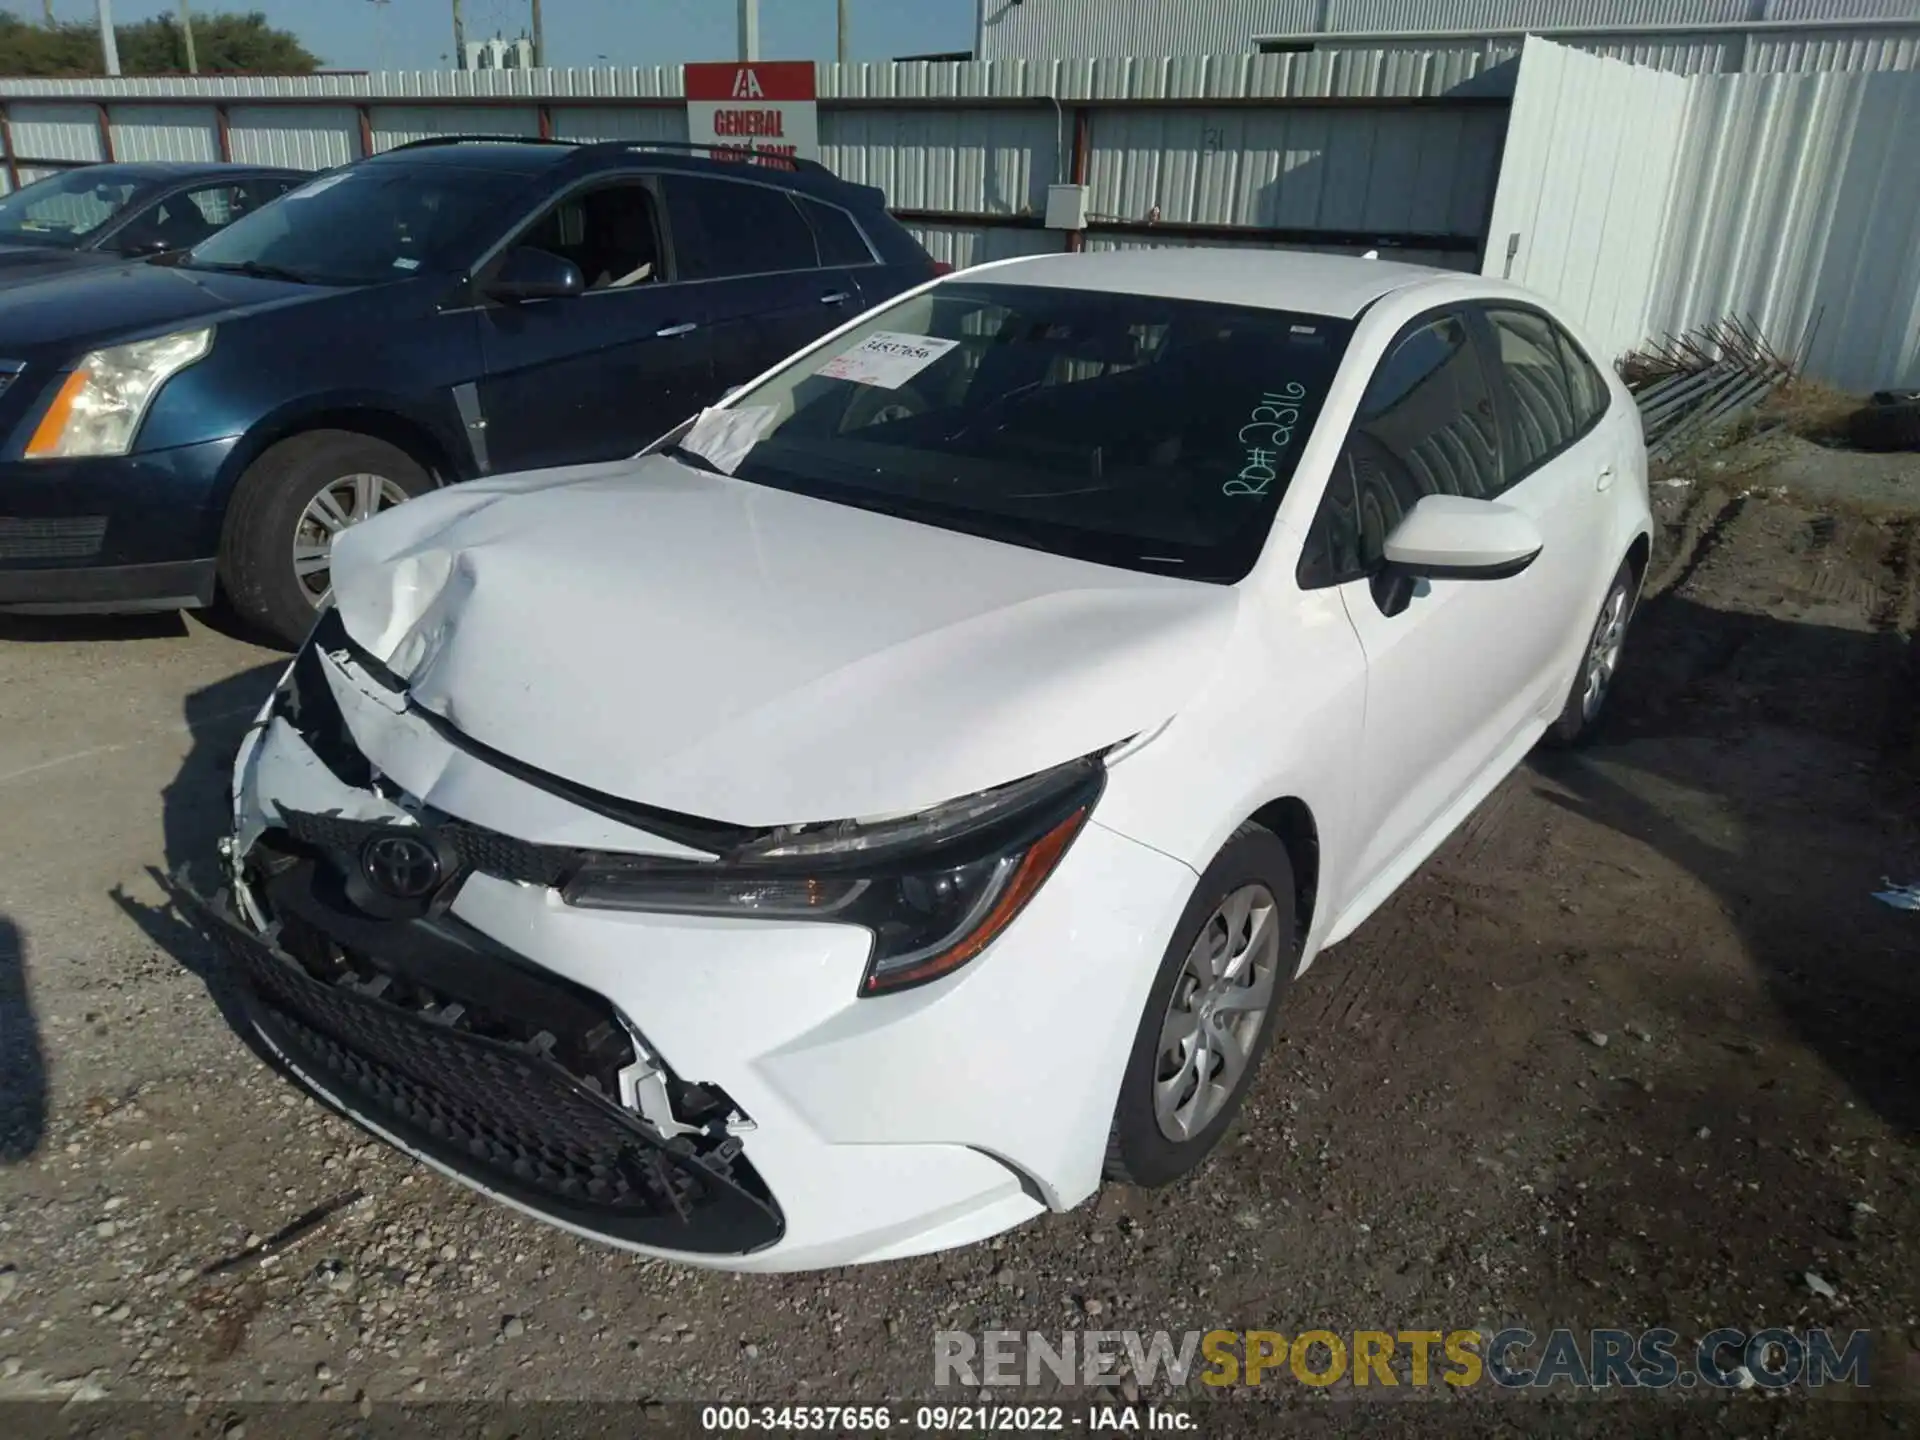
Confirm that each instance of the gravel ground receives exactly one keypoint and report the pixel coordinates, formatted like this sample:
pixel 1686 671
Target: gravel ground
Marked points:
pixel 1637 1047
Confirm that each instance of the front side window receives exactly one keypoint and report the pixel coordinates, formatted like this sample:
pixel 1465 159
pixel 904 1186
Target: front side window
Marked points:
pixel 179 221
pixel 732 227
pixel 608 231
pixel 366 224
pixel 1129 430
pixel 63 210
pixel 1425 426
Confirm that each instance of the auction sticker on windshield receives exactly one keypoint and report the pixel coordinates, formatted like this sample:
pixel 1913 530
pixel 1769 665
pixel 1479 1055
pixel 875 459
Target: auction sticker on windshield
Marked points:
pixel 886 359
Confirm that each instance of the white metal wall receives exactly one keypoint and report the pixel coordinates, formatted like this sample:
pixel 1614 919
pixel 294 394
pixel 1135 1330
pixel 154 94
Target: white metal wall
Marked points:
pixel 1584 186
pixel 1796 200
pixel 1037 30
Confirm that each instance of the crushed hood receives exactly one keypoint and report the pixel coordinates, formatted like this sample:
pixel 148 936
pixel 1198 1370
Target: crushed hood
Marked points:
pixel 721 649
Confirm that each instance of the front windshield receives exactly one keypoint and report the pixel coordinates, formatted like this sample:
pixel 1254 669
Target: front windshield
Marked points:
pixel 62 210
pixel 363 225
pixel 1129 430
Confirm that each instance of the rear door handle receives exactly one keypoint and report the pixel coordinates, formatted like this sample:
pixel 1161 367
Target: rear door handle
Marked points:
pixel 1604 480
pixel 674 331
pixel 836 297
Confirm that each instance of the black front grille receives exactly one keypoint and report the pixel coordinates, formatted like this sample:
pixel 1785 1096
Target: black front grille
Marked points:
pixel 479 849
pixel 499 1112
pixel 77 537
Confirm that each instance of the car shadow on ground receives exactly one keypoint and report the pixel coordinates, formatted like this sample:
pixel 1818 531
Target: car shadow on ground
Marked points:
pixel 196 812
pixel 23 1065
pixel 1774 761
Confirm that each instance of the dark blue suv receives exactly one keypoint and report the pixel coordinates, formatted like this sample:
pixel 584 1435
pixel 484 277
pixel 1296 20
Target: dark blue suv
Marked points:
pixel 449 309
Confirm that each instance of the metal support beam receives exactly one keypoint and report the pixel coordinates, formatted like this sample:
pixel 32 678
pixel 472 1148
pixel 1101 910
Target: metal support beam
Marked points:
pixel 364 114
pixel 223 132
pixel 109 41
pixel 749 29
pixel 6 146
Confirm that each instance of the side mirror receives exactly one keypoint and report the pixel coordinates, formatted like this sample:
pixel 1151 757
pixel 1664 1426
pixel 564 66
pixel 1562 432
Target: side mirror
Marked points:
pixel 530 274
pixel 1453 537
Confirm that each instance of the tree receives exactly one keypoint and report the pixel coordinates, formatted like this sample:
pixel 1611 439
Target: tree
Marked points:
pixel 223 43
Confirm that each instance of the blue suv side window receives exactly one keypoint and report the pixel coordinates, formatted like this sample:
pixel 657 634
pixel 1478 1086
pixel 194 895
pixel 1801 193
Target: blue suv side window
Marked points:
pixel 734 227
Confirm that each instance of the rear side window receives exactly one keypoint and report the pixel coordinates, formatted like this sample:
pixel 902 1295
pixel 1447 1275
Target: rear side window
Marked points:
pixel 1424 427
pixel 839 238
pixel 1590 394
pixel 729 227
pixel 1545 419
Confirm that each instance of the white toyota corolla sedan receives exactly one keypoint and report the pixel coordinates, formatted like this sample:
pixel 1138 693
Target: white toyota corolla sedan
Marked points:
pixel 901 799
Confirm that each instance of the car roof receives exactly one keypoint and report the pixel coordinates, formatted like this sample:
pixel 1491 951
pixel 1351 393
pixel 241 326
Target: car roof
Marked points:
pixel 1310 284
pixel 516 157
pixel 156 170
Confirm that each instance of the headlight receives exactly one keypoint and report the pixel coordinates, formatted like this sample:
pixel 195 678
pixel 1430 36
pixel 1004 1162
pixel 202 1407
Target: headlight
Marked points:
pixel 99 409
pixel 934 888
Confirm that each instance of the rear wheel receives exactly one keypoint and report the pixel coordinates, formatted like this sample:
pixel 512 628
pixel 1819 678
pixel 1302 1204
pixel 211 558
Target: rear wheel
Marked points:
pixel 1600 663
pixel 1210 1015
pixel 276 556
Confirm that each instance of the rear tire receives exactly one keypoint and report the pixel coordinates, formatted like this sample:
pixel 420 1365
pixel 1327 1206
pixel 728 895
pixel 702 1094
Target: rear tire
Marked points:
pixel 1599 663
pixel 1195 1054
pixel 288 506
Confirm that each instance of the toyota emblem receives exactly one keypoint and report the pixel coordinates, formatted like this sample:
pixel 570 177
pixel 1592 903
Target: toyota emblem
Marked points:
pixel 401 864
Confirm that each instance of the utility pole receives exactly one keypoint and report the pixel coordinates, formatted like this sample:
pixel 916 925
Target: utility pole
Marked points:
pixel 109 42
pixel 749 29
pixel 186 28
pixel 459 38
pixel 841 52
pixel 50 19
pixel 539 37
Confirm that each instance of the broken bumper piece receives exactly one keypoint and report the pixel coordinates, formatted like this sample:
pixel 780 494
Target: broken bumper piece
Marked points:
pixel 420 1031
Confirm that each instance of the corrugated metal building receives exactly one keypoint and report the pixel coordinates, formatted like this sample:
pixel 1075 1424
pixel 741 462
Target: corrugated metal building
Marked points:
pixel 1691 36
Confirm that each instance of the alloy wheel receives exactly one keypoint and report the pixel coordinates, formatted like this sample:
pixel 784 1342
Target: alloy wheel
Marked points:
pixel 1219 1002
pixel 1603 656
pixel 339 506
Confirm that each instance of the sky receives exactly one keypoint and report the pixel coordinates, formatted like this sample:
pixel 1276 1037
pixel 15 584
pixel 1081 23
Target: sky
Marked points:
pixel 418 34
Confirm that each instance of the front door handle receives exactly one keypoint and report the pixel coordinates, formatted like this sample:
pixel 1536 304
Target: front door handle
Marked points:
pixel 836 297
pixel 674 331
pixel 1604 480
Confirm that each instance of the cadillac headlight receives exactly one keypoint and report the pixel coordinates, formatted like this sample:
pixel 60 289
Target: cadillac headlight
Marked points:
pixel 98 409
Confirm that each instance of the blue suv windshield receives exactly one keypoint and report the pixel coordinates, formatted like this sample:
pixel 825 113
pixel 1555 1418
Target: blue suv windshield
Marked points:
pixel 363 226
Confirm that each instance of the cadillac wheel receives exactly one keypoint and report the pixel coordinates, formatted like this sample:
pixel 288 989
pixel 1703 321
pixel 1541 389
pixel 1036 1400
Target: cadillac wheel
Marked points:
pixel 276 562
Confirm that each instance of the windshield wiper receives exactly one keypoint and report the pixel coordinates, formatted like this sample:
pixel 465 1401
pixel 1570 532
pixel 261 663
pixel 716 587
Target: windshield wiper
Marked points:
pixel 259 270
pixel 691 457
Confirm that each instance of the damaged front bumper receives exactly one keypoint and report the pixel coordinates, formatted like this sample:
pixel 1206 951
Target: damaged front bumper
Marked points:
pixel 506 1078
pixel 705 1089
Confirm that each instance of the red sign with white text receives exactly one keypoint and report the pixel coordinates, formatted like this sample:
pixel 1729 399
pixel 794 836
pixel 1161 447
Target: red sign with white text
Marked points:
pixel 758 111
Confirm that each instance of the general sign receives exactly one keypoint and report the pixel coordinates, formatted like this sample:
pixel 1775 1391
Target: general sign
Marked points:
pixel 752 110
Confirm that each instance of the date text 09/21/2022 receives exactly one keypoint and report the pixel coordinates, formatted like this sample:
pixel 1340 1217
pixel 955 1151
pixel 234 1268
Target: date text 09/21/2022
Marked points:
pixel 944 1419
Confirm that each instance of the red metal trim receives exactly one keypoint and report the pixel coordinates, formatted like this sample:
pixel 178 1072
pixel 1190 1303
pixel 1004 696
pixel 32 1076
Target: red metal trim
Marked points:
pixel 545 112
pixel 887 102
pixel 6 147
pixel 1082 165
pixel 223 132
pixel 365 114
pixel 106 130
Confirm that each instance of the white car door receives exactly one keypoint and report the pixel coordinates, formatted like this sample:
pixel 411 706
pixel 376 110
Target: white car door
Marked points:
pixel 1454 677
pixel 1561 467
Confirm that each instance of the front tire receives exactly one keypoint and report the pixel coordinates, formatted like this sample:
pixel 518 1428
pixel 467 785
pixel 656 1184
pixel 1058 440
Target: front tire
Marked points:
pixel 275 553
pixel 1210 1015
